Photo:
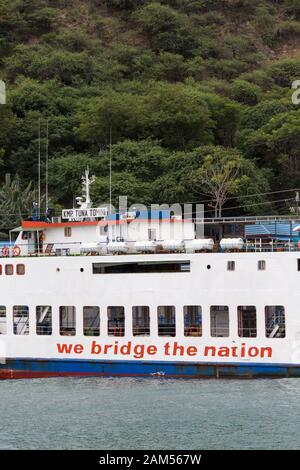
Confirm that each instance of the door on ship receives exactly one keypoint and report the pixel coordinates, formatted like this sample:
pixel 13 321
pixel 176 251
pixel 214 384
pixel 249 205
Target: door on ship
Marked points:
pixel 32 242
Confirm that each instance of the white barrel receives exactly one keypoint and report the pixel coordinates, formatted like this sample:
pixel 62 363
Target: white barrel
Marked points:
pixel 172 245
pixel 92 247
pixel 232 244
pixel 147 246
pixel 117 247
pixel 199 244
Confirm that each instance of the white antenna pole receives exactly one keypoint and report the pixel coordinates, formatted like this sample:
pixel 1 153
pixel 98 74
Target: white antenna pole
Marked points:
pixel 39 169
pixel 110 172
pixel 47 159
pixel 87 187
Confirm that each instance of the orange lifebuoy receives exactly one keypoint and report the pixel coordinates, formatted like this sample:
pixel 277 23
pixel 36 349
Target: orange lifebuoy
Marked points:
pixel 5 251
pixel 16 250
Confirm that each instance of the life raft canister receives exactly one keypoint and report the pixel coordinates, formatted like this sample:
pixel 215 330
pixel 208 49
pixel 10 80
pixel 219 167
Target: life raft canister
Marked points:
pixel 16 250
pixel 5 251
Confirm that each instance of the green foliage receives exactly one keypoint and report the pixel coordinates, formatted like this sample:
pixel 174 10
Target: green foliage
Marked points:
pixel 176 115
pixel 21 19
pixel 265 22
pixel 179 86
pixel 293 8
pixel 288 29
pixel 245 92
pixel 64 177
pixel 167 29
pixel 284 72
pixel 15 201
pixel 224 173
pixel 42 63
pixel 277 145
pixel 125 4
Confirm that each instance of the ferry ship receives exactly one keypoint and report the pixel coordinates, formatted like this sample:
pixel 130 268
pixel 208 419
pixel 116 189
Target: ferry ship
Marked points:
pixel 140 294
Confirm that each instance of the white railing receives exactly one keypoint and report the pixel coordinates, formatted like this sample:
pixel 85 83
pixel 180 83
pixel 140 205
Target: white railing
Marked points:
pixel 74 249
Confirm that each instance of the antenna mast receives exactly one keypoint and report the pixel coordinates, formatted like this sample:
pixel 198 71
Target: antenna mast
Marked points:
pixel 39 169
pixel 47 160
pixel 110 173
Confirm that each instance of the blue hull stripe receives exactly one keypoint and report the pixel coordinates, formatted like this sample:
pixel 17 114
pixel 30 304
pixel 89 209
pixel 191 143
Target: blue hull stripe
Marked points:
pixel 15 368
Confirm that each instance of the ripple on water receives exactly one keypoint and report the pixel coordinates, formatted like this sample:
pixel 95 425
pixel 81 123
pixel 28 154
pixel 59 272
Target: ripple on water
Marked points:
pixel 113 413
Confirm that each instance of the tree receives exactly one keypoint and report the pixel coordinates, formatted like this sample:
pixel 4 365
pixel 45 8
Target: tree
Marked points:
pixel 120 115
pixel 15 202
pixel 175 114
pixel 123 184
pixel 65 176
pixel 276 145
pixel 293 7
pixel 167 29
pixel 144 159
pixel 179 116
pixel 224 173
pixel 245 92
pixel 284 72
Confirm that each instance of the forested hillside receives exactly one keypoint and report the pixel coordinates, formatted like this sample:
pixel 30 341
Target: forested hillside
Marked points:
pixel 189 90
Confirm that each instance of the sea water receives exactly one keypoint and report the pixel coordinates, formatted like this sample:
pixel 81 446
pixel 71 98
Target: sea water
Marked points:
pixel 127 413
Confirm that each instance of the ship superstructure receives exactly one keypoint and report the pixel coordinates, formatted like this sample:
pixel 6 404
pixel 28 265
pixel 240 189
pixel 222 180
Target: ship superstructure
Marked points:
pixel 138 293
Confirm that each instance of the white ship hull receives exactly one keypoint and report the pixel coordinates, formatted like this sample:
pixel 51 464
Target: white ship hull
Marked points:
pixel 70 281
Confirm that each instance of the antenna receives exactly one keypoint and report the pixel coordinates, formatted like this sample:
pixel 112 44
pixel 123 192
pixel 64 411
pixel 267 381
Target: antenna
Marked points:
pixel 110 175
pixel 39 168
pixel 47 160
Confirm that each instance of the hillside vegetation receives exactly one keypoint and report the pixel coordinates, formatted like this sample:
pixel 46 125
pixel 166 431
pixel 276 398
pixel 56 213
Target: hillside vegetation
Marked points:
pixel 187 90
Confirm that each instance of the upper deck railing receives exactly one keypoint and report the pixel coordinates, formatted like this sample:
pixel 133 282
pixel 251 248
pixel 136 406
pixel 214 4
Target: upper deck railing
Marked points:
pixel 249 219
pixel 80 249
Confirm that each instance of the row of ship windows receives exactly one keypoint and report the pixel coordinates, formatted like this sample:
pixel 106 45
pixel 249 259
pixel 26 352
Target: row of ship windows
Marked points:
pixel 157 267
pixel 10 269
pixel 142 267
pixel 261 265
pixel 166 320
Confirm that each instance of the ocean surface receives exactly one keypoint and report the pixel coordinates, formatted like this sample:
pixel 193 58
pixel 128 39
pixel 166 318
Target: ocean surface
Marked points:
pixel 96 413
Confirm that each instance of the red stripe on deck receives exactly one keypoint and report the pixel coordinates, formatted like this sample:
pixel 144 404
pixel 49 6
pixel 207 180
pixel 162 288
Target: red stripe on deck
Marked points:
pixel 10 374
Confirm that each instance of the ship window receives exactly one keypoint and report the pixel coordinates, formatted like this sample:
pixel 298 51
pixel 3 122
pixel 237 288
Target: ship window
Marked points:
pixel 21 269
pixel 68 231
pixel 141 321
pixel 67 321
pixel 91 321
pixel 3 325
pixel 9 269
pixel 219 321
pixel 116 321
pixel 192 320
pixel 230 265
pixel 44 320
pixel 21 319
pixel 247 321
pixel 142 267
pixel 166 320
pixel 261 265
pixel 275 321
